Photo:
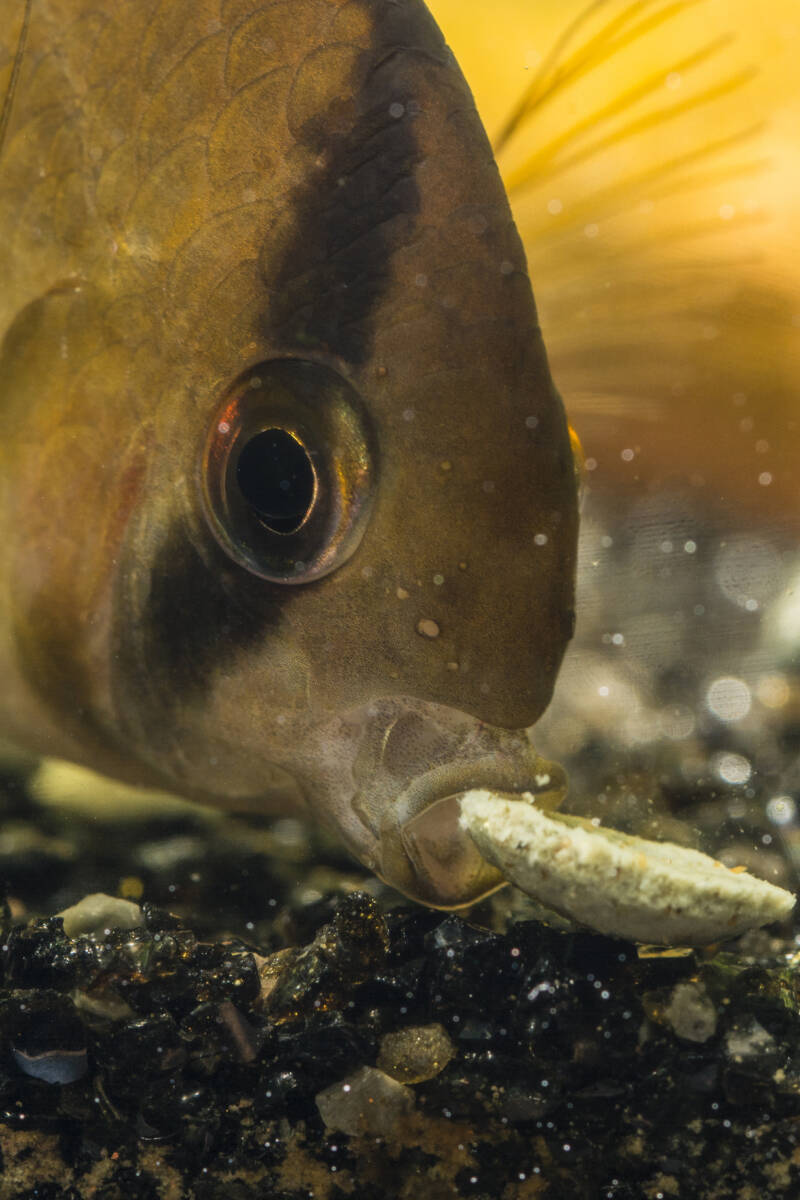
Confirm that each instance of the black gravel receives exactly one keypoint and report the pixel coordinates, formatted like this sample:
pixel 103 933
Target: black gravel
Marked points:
pixel 183 1058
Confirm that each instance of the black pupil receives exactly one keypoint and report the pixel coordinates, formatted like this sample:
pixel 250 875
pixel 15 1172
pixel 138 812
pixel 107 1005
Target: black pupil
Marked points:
pixel 276 479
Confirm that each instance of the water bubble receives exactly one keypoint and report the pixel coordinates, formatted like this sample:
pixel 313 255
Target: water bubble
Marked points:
pixel 748 568
pixel 677 722
pixel 781 810
pixel 728 698
pixel 732 768
pixel 773 691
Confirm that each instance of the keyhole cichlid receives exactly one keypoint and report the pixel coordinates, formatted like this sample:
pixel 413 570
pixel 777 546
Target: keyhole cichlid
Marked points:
pixel 287 497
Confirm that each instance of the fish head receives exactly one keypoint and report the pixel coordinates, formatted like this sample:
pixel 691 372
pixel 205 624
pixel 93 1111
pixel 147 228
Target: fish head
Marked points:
pixel 341 561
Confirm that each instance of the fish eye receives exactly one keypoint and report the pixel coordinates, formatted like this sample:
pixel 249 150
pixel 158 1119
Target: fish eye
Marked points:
pixel 276 476
pixel 287 471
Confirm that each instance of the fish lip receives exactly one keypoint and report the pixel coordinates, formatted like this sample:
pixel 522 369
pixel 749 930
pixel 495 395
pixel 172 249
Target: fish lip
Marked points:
pixel 427 854
pixel 479 755
pixel 540 778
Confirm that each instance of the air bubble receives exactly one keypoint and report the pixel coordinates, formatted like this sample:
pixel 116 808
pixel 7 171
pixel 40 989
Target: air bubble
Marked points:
pixel 728 698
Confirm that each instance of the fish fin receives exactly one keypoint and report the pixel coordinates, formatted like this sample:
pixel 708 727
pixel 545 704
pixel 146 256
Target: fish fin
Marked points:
pixel 616 119
pixel 559 70
pixel 653 196
pixel 8 99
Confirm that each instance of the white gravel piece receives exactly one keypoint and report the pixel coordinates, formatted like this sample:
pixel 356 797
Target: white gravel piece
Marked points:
pixel 620 885
pixel 98 913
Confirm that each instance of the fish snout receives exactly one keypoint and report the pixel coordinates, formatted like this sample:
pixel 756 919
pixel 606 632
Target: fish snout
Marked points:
pixel 429 856
pixel 410 764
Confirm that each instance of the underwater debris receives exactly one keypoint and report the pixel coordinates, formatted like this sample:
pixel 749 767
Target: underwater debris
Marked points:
pixel 98 914
pixel 368 1103
pixel 620 885
pixel 417 1053
pixel 691 1012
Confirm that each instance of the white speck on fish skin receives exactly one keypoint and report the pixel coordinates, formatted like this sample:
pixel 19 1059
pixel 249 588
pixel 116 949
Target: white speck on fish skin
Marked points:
pixel 397 110
pixel 421 280
pixel 488 485
pixel 428 628
pixel 438 579
pixel 531 422
pixel 540 539
pixel 224 427
pixel 506 267
pixel 408 414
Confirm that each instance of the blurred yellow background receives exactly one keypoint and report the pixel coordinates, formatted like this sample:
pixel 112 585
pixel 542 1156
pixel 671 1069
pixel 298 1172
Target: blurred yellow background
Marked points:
pixel 656 184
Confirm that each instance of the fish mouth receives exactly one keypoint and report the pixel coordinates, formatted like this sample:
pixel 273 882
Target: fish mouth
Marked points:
pixel 409 764
pixel 448 869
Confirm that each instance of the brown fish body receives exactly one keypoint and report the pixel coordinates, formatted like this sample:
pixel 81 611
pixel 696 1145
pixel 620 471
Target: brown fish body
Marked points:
pixel 274 228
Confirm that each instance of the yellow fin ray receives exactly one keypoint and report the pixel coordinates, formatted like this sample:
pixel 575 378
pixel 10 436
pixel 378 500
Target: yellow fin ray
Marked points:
pixel 556 73
pixel 16 67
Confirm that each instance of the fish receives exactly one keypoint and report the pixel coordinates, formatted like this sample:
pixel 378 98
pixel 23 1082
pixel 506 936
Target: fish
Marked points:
pixel 288 498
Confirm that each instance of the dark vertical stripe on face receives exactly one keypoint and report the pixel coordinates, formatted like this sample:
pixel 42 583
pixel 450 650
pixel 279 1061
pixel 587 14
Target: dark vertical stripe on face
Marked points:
pixel 324 290
pixel 361 204
pixel 199 611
